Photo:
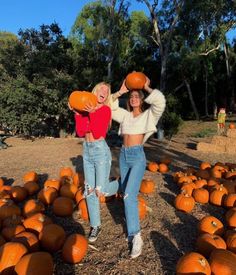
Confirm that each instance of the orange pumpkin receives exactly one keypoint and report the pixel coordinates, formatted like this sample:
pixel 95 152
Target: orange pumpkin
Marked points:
pixel 18 193
pixel 222 262
pixel 52 237
pixel 153 166
pixel 63 206
pixel 193 263
pixel 163 168
pixel 36 222
pixel 47 195
pixel 142 207
pixel 30 176
pixel 147 186
pixel 1 182
pixel 231 126
pixel 32 187
pixel 211 225
pixel 68 190
pixel 79 99
pixel 231 241
pixel 184 202
pixel 37 263
pixel 10 254
pixel 32 206
pixel 135 80
pixel 28 239
pixel 11 231
pixel 79 195
pixel 201 195
pixel 74 248
pixel 83 210
pixel 52 183
pixel 206 242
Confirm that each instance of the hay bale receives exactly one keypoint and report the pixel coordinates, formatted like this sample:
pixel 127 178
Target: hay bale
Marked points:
pixel 209 147
pixel 231 148
pixel 223 140
pixel 231 133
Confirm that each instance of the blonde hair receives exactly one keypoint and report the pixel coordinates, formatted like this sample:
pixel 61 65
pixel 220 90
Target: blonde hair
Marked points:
pixel 141 96
pixel 97 87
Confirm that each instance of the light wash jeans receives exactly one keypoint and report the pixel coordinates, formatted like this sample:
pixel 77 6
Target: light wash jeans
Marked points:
pixel 96 164
pixel 132 163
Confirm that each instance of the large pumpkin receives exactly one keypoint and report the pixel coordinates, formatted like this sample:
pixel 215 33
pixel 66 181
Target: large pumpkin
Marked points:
pixel 74 248
pixel 193 263
pixel 10 254
pixel 52 237
pixel 79 99
pixel 222 262
pixel 37 263
pixel 135 81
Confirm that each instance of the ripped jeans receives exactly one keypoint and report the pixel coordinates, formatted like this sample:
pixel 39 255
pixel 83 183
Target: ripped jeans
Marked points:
pixel 132 163
pixel 96 164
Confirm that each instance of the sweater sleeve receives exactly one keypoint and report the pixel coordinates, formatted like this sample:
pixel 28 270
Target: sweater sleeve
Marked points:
pixel 99 122
pixel 158 103
pixel 118 113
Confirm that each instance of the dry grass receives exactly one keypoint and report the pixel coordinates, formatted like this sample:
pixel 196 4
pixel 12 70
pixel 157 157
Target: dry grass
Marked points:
pixel 167 233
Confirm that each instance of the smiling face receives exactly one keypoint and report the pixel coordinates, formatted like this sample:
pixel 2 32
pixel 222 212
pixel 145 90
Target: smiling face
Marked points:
pixel 102 91
pixel 135 100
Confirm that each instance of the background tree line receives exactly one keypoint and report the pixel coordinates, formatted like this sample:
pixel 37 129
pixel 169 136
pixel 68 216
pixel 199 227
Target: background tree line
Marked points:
pixel 180 45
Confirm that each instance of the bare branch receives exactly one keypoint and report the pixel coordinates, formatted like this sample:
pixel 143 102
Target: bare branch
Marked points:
pixel 211 50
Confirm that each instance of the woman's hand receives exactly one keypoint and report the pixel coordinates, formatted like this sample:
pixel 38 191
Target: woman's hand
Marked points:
pixel 90 108
pixel 147 85
pixel 123 89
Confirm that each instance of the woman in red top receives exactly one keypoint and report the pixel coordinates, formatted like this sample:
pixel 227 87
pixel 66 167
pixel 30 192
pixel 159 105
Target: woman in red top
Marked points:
pixel 93 124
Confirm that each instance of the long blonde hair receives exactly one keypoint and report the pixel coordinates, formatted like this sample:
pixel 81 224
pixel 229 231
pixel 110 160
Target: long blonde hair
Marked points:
pixel 97 86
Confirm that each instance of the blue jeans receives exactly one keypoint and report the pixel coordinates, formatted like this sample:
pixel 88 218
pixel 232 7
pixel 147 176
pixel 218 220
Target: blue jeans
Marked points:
pixel 132 163
pixel 96 164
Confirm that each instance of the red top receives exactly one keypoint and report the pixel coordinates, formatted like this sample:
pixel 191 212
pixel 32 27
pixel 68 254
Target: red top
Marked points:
pixel 97 122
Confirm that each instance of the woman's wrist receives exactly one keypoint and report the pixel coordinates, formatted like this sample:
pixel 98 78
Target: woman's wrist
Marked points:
pixel 149 90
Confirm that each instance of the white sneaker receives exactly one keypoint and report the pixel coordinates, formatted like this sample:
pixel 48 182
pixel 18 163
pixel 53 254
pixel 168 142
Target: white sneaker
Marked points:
pixel 137 246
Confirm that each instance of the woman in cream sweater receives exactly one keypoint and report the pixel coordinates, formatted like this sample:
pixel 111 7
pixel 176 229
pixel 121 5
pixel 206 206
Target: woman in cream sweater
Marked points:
pixel 136 126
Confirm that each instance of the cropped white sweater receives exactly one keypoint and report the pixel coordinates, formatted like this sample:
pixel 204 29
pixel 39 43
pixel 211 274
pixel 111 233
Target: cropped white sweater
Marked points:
pixel 146 122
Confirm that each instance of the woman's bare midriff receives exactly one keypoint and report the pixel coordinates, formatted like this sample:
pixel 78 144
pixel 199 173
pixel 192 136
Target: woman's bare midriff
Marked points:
pixel 90 138
pixel 132 140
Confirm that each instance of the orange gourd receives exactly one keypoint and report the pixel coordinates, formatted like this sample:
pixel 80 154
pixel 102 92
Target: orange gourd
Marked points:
pixel 37 263
pixel 83 210
pixel 231 126
pixel 184 203
pixel 10 254
pixel 206 242
pixel 28 239
pixel 222 262
pixel 52 237
pixel 193 263
pixel 63 206
pixel 135 80
pixel 147 186
pixel 30 176
pixel 74 248
pixel 153 166
pixel 79 99
pixel 211 225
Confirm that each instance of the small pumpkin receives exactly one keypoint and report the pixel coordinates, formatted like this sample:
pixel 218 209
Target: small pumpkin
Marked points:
pixel 47 195
pixel 32 187
pixel 135 80
pixel 52 183
pixel 30 176
pixel 83 210
pixel 147 186
pixel 79 99
pixel 201 195
pixel 163 168
pixel 28 239
pixel 184 202
pixel 153 166
pixel 74 248
pixel 32 206
pixel 211 225
pixel 231 126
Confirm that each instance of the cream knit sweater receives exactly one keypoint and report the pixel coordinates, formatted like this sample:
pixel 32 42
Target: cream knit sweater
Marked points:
pixel 146 122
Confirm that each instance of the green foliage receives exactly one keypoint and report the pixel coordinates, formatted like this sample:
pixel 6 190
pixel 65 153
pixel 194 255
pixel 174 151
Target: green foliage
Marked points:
pixel 208 132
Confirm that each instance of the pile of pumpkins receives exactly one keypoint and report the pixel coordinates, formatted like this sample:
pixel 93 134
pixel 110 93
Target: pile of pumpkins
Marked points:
pixel 216 243
pixel 28 236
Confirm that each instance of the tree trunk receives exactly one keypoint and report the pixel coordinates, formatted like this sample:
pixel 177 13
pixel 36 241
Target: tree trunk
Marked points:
pixel 191 99
pixel 206 90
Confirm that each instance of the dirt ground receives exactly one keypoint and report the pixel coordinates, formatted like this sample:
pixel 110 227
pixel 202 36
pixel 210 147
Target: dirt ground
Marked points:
pixel 167 233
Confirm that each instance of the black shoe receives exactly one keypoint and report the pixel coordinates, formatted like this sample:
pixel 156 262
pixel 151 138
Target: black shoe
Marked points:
pixel 93 235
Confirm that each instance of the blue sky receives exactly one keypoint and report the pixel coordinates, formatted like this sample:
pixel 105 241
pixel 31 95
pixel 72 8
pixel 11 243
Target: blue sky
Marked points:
pixel 25 14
